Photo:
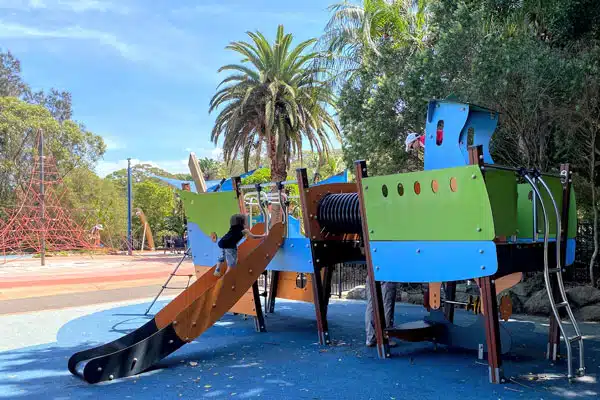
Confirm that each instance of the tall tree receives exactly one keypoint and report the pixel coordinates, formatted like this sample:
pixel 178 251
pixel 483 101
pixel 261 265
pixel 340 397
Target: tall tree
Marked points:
pixel 356 32
pixel 70 145
pixel 11 83
pixel 276 98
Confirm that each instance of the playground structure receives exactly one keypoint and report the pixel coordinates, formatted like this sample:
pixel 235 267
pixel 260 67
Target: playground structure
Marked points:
pixel 147 231
pixel 463 217
pixel 40 222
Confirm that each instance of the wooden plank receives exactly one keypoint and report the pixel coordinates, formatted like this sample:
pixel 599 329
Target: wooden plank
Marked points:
pixel 375 287
pixel 196 173
pixel 309 206
pixel 204 281
pixel 287 288
pixel 209 307
pixel 435 290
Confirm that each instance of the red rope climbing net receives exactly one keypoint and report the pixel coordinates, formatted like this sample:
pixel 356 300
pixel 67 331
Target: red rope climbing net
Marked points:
pixel 28 224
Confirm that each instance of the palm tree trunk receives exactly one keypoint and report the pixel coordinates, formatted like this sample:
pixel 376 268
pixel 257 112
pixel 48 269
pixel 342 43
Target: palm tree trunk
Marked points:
pixel 278 174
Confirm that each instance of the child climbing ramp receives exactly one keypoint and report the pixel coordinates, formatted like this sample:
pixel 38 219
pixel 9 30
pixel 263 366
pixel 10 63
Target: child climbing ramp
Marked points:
pixel 229 242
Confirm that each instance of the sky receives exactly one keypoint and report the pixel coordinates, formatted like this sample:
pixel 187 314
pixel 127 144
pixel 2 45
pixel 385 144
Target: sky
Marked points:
pixel 142 72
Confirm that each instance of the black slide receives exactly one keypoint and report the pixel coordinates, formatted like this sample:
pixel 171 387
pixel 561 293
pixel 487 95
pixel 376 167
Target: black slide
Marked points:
pixel 129 355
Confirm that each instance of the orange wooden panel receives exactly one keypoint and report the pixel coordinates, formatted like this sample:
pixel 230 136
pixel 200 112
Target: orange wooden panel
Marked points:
pixel 313 196
pixel 286 287
pixel 508 281
pixel 203 282
pixel 245 305
pixel 221 297
pixel 502 284
pixel 505 308
pixel 435 290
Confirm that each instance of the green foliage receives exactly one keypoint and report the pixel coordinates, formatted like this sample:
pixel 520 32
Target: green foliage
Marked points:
pixel 157 201
pixel 261 175
pixel 275 99
pixel 70 144
pixel 210 168
pixel 97 201
pixel 160 236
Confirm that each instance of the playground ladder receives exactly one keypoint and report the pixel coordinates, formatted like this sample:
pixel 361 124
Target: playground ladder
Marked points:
pixel 171 275
pixel 561 302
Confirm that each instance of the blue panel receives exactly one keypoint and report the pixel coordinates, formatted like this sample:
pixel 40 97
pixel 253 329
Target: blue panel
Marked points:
pixel 448 154
pixel 339 178
pixel 458 118
pixel 204 251
pixel 294 255
pixel 483 124
pixel 294 228
pixel 433 261
pixel 570 251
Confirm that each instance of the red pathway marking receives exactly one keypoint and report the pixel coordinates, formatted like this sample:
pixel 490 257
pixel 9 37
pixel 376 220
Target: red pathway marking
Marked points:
pixel 94 271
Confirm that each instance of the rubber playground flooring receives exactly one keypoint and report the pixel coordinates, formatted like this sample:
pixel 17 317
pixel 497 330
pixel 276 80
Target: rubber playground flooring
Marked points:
pixel 232 361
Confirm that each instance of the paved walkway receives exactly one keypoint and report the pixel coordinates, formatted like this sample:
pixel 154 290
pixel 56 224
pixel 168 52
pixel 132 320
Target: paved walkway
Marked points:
pixel 25 286
pixel 232 361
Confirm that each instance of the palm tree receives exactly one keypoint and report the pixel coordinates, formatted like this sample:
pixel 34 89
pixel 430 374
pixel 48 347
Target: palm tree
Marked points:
pixel 356 32
pixel 273 98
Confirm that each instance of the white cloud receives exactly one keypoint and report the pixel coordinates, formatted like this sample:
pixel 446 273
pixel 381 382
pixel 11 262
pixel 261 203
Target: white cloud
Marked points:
pixel 104 168
pixel 113 143
pixel 214 152
pixel 11 31
pixel 175 166
pixel 76 6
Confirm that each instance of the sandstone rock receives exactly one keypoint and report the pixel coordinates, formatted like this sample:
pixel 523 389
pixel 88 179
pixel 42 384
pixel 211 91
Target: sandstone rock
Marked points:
pixel 538 303
pixel 358 293
pixel 415 298
pixel 580 296
pixel 588 313
pixel 529 285
pixel 402 296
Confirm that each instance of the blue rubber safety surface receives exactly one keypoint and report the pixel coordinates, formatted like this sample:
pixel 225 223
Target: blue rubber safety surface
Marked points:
pixel 232 361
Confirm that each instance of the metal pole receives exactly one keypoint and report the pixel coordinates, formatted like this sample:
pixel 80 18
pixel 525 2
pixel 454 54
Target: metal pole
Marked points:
pixel 129 238
pixel 42 200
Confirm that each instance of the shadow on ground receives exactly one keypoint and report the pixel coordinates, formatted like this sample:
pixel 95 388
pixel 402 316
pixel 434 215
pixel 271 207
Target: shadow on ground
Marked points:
pixel 231 360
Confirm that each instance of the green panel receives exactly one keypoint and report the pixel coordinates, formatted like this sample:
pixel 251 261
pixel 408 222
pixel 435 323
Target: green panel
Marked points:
pixel 525 209
pixel 446 215
pixel 502 191
pixel 210 211
pixel 557 189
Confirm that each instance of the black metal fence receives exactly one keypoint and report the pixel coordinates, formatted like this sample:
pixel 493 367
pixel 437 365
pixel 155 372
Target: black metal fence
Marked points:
pixel 584 249
pixel 348 276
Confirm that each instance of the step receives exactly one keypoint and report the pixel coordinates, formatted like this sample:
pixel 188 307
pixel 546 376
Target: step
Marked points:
pixel 562 304
pixel 575 338
pixel 416 331
pixel 554 270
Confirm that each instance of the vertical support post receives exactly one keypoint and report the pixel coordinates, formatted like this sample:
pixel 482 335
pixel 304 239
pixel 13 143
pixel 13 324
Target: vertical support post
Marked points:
pixel 375 286
pixel 327 277
pixel 272 291
pixel 42 199
pixel 129 237
pixel 259 320
pixel 317 283
pixel 490 303
pixel 450 295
